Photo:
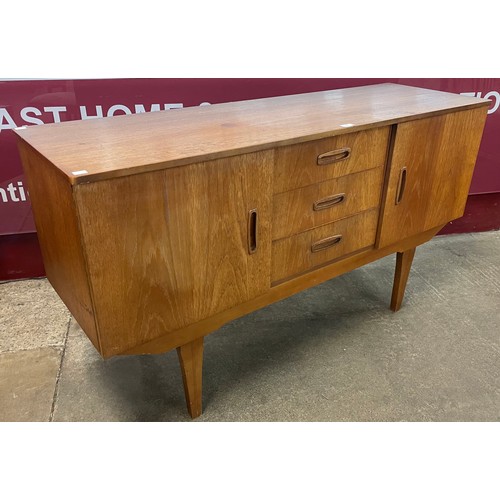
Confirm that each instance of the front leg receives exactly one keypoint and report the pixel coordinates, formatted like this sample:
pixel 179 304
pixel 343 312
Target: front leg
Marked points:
pixel 403 266
pixel 191 361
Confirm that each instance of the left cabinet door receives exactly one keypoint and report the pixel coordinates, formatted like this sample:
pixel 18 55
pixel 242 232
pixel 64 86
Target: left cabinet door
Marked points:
pixel 166 249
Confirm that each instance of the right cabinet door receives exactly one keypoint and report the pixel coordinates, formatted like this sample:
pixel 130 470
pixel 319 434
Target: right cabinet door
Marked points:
pixel 430 173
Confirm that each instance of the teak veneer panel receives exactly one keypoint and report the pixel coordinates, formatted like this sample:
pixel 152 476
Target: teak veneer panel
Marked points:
pixel 173 244
pixel 296 166
pixel 293 211
pixel 439 155
pixel 58 232
pixel 281 291
pixel 293 255
pixel 122 145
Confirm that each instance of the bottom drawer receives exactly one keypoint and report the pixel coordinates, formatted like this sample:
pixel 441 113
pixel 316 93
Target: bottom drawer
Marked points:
pixel 310 249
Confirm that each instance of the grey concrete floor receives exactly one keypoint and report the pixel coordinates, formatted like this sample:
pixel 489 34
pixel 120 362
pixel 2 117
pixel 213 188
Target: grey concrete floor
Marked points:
pixel 331 353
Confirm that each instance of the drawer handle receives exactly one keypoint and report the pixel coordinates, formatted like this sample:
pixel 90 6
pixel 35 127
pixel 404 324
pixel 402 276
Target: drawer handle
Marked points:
pixel 252 231
pixel 401 186
pixel 328 202
pixel 326 243
pixel 334 156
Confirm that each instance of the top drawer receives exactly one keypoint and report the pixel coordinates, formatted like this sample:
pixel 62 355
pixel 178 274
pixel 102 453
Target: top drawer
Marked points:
pixel 316 161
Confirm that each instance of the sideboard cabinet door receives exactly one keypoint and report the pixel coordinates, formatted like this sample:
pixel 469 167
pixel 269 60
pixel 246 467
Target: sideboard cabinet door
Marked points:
pixel 430 173
pixel 169 248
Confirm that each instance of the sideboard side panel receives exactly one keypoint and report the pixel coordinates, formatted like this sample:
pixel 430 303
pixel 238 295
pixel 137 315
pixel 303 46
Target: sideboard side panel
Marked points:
pixel 169 248
pixel 59 236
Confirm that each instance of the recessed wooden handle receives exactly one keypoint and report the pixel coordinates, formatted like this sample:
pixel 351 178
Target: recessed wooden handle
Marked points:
pixel 334 156
pixel 252 231
pixel 328 202
pixel 401 186
pixel 326 243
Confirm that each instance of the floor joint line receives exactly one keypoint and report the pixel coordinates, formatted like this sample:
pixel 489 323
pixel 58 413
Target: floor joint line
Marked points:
pixel 56 388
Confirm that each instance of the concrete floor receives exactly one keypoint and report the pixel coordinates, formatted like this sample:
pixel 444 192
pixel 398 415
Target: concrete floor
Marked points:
pixel 331 353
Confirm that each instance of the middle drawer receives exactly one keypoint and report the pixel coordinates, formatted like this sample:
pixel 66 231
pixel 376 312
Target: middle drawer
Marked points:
pixel 302 209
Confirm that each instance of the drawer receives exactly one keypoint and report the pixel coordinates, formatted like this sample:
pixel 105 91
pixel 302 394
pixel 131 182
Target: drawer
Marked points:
pixel 311 249
pixel 305 208
pixel 311 162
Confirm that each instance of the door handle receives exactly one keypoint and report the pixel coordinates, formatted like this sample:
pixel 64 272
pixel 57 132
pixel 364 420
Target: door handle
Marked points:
pixel 401 186
pixel 252 231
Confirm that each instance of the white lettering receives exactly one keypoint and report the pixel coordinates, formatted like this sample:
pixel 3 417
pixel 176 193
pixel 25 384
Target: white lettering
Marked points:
pixel 12 190
pixel 21 191
pixel 489 95
pixel 31 119
pixel 55 110
pixel 140 108
pixel 496 95
pixel 118 107
pixel 34 116
pixel 85 116
pixel 175 105
pixel 4 115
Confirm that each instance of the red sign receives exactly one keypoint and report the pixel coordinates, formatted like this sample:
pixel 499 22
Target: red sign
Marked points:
pixel 35 102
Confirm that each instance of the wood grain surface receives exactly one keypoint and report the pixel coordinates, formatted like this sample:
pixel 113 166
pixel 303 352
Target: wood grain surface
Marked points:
pixel 59 236
pixel 169 248
pixel 122 145
pixel 293 255
pixel 279 292
pixel 296 166
pixel 401 273
pixel 293 211
pixel 191 361
pixel 439 155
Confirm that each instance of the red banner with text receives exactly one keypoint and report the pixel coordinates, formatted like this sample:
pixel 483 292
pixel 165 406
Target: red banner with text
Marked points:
pixel 35 102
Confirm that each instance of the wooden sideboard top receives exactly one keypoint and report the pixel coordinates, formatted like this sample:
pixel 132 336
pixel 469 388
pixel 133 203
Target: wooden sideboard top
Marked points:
pixel 104 148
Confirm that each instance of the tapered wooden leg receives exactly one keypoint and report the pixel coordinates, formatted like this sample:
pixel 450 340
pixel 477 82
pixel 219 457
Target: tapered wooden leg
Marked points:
pixel 191 360
pixel 403 266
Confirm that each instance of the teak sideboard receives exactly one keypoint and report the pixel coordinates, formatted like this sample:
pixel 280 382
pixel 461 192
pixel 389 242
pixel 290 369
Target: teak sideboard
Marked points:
pixel 158 228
